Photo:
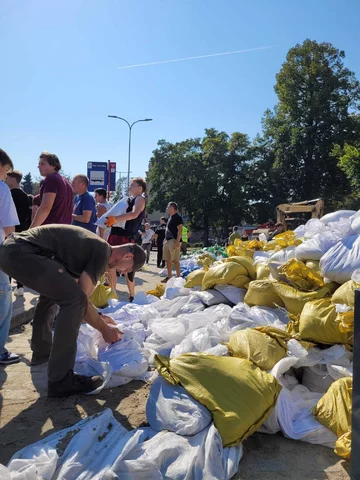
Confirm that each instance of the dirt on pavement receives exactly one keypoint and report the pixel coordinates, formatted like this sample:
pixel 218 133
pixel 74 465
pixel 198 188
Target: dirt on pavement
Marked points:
pixel 27 415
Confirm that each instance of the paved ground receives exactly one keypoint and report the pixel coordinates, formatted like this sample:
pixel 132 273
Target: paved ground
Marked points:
pixel 27 415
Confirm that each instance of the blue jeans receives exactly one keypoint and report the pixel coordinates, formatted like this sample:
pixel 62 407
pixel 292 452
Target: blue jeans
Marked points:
pixel 5 310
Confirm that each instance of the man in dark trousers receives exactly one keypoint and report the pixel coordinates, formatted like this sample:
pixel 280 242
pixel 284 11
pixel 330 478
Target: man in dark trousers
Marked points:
pixel 159 238
pixel 22 205
pixel 64 263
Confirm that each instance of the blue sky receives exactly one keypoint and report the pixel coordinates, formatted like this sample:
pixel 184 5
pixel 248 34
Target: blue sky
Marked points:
pixel 60 78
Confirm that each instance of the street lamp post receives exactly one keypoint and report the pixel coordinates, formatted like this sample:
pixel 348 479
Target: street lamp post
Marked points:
pixel 130 129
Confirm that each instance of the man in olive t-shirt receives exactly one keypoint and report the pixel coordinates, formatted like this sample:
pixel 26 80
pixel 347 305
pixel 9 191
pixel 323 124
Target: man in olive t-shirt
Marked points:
pixel 63 263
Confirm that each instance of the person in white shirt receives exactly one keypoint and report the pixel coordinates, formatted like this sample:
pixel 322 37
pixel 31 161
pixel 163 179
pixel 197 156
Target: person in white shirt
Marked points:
pixel 8 221
pixel 147 237
pixel 102 206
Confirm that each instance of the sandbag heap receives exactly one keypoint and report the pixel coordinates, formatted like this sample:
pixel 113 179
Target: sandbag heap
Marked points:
pixel 257 337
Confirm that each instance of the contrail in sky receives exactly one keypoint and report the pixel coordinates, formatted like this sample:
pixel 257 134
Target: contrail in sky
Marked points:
pixel 195 58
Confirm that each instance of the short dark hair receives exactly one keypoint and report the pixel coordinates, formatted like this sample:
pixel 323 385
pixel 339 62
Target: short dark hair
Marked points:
pixel 101 192
pixel 16 174
pixel 173 204
pixel 5 159
pixel 83 178
pixel 52 160
pixel 163 218
pixel 141 182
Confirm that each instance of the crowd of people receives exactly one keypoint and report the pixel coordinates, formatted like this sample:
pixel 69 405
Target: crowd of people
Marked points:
pixel 51 244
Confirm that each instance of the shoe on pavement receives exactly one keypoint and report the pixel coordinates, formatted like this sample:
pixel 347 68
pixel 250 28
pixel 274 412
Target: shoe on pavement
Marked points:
pixel 39 359
pixel 74 384
pixel 165 280
pixel 8 358
pixel 19 292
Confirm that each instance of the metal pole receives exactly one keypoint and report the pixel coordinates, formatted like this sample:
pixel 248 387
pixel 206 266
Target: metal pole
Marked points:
pixel 128 182
pixel 355 441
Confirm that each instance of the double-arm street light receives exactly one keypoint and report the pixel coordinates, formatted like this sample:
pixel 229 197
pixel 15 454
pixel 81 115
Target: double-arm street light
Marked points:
pixel 130 128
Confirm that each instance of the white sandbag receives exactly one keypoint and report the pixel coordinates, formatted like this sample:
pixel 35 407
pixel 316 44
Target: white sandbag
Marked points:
pixel 126 357
pixel 200 340
pixel 355 224
pixel 261 257
pixel 175 288
pixel 313 227
pixel 116 210
pixel 338 263
pixel 211 297
pixel 192 305
pixel 233 294
pixel 315 247
pixel 171 407
pixel 244 316
pixel 296 421
pixel 132 313
pixel 341 229
pixel 317 378
pixel 282 256
pixel 98 447
pixel 300 231
pixel 336 216
pixel 92 367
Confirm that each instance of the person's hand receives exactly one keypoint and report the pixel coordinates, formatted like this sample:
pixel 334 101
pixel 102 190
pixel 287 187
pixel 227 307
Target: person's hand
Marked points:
pixel 108 320
pixel 177 244
pixel 111 334
pixel 110 221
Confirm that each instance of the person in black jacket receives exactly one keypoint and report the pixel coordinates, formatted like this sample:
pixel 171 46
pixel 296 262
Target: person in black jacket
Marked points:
pixel 159 238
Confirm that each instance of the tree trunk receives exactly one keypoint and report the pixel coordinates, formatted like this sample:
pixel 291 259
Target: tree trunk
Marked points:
pixel 206 230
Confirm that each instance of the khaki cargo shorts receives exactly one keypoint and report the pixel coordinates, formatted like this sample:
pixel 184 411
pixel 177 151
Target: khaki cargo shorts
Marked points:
pixel 170 252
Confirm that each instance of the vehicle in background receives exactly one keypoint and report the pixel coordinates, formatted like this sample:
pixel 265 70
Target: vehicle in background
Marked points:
pixel 291 215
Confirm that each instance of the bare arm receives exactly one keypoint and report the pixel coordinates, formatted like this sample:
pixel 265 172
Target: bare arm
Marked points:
pixel 92 317
pixel 84 218
pixel 44 209
pixel 179 235
pixel 8 230
pixel 35 208
pixel 137 209
pixel 100 210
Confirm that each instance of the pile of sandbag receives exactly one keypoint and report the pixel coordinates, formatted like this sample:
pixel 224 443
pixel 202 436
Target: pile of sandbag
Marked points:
pixel 260 340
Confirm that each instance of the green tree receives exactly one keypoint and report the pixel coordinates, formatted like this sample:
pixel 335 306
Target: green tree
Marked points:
pixel 120 189
pixel 316 95
pixel 27 183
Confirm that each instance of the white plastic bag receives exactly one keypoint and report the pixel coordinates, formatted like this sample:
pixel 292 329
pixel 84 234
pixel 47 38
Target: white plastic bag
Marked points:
pixel 336 216
pixel 171 407
pixel 175 288
pixel 233 294
pixel 339 263
pixel 314 227
pixel 315 247
pixel 116 210
pixel 211 297
pixel 282 256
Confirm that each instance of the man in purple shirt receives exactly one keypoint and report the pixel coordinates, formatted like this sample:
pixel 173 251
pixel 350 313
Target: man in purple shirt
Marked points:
pixel 84 204
pixel 56 194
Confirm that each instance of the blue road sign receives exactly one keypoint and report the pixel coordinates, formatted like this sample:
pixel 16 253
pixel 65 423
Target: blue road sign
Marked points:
pixel 98 175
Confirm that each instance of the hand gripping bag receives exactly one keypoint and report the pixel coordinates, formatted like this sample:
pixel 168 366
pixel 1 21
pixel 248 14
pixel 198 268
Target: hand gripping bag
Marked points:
pixel 334 412
pixel 239 395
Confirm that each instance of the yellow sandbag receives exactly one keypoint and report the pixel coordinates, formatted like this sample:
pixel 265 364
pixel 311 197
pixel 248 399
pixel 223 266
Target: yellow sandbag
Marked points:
pixel 294 300
pixel 300 276
pixel 101 296
pixel 319 323
pixel 246 263
pixel 286 239
pixel 333 411
pixel 229 273
pixel 158 291
pixel 254 245
pixel 262 349
pixel 205 260
pixel 345 294
pixel 346 321
pixel 263 294
pixel 194 279
pixel 262 271
pixel 239 395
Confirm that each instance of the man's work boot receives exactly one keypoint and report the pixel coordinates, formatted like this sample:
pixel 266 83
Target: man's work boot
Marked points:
pixel 74 384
